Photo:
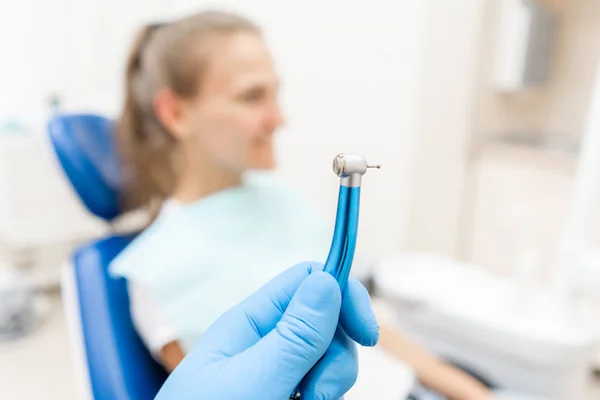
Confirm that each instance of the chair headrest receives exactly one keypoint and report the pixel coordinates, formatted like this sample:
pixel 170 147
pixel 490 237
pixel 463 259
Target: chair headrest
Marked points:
pixel 86 150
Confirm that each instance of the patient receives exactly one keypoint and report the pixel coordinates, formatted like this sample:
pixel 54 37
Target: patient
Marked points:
pixel 197 128
pixel 200 113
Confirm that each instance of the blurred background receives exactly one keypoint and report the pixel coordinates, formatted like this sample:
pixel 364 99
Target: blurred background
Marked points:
pixel 485 116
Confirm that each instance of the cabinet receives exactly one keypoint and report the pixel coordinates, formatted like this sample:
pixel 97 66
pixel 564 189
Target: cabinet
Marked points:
pixel 535 167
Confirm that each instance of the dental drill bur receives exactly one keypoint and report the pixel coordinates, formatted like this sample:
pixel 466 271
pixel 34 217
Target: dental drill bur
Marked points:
pixel 350 168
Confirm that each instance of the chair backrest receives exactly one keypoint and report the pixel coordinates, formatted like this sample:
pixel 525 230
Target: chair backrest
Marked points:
pixel 117 363
pixel 85 147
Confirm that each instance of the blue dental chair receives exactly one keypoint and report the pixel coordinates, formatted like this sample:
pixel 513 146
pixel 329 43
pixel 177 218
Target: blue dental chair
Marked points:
pixel 112 361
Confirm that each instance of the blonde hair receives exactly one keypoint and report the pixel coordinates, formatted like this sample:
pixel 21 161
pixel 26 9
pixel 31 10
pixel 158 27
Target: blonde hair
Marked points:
pixel 172 55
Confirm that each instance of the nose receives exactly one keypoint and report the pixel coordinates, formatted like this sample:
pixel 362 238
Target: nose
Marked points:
pixel 275 117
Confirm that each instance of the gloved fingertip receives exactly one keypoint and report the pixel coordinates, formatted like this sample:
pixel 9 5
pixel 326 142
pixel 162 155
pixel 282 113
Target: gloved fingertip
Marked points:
pixel 367 336
pixel 314 266
pixel 357 317
pixel 319 289
pixel 373 337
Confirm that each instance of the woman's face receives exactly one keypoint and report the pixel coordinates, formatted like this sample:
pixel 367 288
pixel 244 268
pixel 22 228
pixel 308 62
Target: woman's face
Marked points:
pixel 231 123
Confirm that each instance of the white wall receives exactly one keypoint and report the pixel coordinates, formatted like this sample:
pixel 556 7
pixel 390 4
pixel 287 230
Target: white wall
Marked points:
pixel 350 70
pixel 445 126
pixel 32 61
pixel 352 80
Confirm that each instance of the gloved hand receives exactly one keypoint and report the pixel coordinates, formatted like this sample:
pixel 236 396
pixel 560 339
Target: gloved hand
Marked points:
pixel 284 335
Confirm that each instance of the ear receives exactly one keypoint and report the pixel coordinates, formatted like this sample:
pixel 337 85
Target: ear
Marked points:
pixel 170 111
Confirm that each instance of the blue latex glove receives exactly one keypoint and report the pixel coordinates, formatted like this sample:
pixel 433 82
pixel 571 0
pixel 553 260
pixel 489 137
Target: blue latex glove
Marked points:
pixel 284 335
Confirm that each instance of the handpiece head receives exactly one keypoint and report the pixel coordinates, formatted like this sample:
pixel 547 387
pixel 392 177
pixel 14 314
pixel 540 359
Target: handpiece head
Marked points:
pixel 351 168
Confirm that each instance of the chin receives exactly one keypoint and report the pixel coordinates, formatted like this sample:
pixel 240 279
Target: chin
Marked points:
pixel 264 163
pixel 264 166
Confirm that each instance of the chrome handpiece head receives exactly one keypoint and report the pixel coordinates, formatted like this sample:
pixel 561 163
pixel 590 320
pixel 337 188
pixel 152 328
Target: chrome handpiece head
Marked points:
pixel 351 168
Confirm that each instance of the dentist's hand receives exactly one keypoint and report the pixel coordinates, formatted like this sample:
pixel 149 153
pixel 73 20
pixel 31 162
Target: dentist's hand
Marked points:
pixel 284 335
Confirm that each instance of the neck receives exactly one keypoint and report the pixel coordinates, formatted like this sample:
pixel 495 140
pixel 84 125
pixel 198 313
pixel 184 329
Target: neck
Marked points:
pixel 194 184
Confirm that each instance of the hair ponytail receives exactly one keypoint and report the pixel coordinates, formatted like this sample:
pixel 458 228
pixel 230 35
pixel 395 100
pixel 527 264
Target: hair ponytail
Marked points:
pixel 144 152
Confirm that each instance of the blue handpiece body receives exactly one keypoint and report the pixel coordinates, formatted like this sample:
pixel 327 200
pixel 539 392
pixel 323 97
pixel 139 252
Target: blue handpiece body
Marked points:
pixel 341 253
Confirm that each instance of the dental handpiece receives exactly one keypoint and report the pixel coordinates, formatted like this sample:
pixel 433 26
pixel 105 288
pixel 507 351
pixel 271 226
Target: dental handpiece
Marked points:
pixel 350 168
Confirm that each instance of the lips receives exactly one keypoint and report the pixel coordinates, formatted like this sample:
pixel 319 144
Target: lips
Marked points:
pixel 263 140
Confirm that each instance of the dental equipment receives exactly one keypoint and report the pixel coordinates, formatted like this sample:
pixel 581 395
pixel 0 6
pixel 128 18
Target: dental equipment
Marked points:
pixel 350 168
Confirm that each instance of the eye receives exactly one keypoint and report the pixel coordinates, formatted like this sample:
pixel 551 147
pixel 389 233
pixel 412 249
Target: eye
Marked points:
pixel 253 95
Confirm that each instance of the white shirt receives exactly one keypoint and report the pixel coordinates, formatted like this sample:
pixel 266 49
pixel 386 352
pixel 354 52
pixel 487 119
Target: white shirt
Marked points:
pixel 148 318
